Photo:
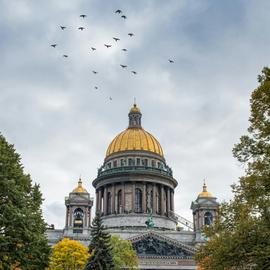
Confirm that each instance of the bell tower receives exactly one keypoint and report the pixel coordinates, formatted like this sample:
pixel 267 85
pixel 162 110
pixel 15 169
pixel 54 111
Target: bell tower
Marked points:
pixel 78 212
pixel 204 210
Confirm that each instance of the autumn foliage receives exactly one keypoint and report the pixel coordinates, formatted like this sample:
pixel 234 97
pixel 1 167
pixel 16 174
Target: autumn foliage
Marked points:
pixel 68 255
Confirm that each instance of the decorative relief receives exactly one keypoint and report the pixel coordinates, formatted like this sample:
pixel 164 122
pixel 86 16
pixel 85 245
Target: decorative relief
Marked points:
pixel 151 246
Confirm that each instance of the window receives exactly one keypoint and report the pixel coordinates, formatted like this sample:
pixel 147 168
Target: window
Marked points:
pixel 119 202
pixel 109 165
pixel 130 162
pixel 138 200
pixel 115 163
pixel 153 163
pixel 109 203
pixel 145 162
pixel 208 218
pixel 122 162
pixel 78 218
pixel 138 162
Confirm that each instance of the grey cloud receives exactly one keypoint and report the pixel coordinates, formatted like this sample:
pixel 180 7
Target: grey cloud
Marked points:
pixel 197 107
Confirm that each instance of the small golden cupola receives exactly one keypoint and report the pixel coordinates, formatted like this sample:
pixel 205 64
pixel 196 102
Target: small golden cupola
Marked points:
pixel 79 188
pixel 205 193
pixel 134 138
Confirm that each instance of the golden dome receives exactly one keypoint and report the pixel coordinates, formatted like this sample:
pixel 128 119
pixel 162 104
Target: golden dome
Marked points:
pixel 205 193
pixel 79 188
pixel 134 139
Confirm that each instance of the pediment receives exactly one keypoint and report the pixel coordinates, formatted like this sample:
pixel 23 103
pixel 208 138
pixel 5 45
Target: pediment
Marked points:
pixel 153 244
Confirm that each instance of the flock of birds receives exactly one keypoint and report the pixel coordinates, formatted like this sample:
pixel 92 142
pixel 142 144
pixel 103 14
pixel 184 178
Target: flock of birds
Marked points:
pixel 116 39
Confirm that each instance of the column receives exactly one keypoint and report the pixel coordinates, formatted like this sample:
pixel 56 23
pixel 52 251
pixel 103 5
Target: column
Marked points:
pixel 162 200
pixel 154 198
pixel 67 211
pixel 172 200
pixel 133 197
pixel 168 200
pixel 70 216
pixel 99 200
pixel 105 200
pixel 123 197
pixel 85 217
pixel 113 198
pixel 89 217
pixel 144 199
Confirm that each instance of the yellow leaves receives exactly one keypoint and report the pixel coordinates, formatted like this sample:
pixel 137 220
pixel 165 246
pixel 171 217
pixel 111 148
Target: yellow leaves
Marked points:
pixel 68 255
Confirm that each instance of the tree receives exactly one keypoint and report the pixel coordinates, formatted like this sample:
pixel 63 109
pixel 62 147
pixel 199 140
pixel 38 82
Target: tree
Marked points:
pixel 123 254
pixel 100 247
pixel 68 255
pixel 22 229
pixel 240 238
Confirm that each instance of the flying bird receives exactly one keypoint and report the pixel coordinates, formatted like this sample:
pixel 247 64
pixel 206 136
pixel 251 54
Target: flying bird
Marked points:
pixel 93 49
pixel 107 45
pixel 119 11
pixel 83 16
pixel 125 50
pixel 110 98
pixel 95 72
pixel 65 55
pixel 81 28
pixel 134 72
pixel 116 39
pixel 123 66
pixel 63 27
pixel 131 34
pixel 96 87
pixel 54 45
pixel 171 61
pixel 124 16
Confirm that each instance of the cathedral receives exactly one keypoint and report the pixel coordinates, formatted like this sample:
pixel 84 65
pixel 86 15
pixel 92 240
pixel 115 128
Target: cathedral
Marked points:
pixel 134 192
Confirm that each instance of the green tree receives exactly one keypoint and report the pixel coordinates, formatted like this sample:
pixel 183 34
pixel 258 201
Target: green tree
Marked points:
pixel 22 229
pixel 240 238
pixel 124 256
pixel 100 247
pixel 68 255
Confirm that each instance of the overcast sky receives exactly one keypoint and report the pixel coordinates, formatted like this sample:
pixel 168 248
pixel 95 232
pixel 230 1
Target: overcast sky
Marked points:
pixel 197 107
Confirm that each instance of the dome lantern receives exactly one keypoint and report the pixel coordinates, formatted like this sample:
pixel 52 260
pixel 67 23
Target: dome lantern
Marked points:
pixel 135 117
pixel 79 188
pixel 205 193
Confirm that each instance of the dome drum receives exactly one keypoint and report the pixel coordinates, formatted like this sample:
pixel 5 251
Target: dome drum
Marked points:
pixel 136 198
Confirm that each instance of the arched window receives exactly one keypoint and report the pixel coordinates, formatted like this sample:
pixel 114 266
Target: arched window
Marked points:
pixel 119 202
pixel 138 200
pixel 78 218
pixel 109 203
pixel 208 218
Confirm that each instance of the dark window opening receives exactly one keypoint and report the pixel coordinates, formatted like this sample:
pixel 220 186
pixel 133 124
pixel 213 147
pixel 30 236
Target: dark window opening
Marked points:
pixel 78 218
pixel 109 203
pixel 119 202
pixel 208 218
pixel 138 200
